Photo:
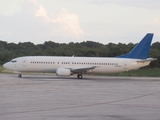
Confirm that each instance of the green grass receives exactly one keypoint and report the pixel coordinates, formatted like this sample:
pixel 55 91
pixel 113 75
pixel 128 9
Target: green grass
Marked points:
pixel 143 72
pixel 1 68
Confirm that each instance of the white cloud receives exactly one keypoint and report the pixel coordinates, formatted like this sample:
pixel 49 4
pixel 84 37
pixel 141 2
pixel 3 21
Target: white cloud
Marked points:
pixel 62 21
pixel 155 21
pixel 68 22
pixel 155 24
pixel 154 4
pixel 34 24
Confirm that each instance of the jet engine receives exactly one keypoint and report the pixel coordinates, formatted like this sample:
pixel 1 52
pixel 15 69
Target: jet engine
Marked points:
pixel 63 72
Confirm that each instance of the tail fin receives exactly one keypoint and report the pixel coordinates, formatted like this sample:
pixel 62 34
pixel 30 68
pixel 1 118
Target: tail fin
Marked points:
pixel 140 51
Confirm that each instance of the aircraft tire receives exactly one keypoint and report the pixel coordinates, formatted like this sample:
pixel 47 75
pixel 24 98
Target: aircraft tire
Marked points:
pixel 19 75
pixel 79 76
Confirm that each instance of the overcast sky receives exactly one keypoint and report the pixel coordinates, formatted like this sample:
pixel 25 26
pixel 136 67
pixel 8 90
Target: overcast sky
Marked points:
pixel 65 21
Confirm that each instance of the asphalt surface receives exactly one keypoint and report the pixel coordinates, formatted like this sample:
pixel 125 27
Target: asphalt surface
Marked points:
pixel 46 97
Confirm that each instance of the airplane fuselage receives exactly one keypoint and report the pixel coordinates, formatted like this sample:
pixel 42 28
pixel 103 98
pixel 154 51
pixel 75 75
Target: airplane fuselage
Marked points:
pixel 49 64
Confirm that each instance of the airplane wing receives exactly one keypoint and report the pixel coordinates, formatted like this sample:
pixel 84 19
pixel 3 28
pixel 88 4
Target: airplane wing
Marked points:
pixel 82 69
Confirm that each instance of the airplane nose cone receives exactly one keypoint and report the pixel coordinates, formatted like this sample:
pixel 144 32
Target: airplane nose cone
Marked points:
pixel 4 65
pixel 9 66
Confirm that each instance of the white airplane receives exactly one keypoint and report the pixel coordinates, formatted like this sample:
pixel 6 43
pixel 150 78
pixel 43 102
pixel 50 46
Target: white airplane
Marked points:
pixel 66 66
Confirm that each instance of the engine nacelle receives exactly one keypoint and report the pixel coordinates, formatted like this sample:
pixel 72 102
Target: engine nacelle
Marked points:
pixel 63 72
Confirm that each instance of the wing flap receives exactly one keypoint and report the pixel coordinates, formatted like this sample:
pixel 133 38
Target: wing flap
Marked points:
pixel 82 69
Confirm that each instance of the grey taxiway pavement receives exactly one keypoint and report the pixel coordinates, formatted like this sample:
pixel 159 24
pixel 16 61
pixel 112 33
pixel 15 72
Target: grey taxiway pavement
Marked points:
pixel 46 97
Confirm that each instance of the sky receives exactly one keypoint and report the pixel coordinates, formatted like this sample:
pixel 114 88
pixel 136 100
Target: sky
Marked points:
pixel 65 21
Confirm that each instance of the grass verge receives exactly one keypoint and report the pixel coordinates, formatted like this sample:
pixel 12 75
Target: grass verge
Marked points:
pixel 143 72
pixel 3 70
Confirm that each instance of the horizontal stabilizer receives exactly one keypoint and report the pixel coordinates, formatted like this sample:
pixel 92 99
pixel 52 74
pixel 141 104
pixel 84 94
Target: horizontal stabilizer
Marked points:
pixel 146 60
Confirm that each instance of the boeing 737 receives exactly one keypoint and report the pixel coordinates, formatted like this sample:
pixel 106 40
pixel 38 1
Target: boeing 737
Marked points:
pixel 66 66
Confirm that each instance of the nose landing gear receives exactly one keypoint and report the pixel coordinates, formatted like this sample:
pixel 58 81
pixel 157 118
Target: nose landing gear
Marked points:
pixel 19 75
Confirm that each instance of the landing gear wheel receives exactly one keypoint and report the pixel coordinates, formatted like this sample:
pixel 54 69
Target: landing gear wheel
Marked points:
pixel 19 75
pixel 79 76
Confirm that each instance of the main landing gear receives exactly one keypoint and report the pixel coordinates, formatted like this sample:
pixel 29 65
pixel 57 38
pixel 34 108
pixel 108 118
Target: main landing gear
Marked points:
pixel 19 75
pixel 79 76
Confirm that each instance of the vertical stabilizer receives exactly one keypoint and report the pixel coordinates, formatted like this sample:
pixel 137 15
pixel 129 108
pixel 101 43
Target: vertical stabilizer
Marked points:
pixel 140 51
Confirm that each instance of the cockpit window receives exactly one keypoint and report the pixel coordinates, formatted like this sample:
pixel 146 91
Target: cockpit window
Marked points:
pixel 13 61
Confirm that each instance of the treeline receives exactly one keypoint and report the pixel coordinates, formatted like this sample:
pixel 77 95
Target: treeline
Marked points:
pixel 9 51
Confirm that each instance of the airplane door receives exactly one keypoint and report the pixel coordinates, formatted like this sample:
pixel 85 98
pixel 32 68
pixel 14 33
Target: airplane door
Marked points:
pixel 125 64
pixel 24 62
